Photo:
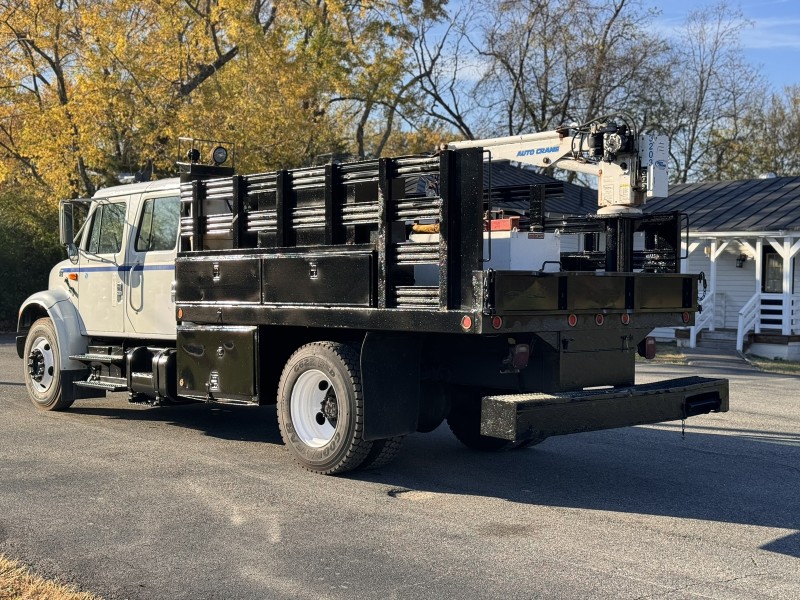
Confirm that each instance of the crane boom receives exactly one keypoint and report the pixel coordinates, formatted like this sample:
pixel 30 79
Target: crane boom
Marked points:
pixel 630 167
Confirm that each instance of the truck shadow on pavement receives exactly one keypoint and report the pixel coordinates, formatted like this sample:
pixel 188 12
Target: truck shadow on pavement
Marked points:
pixel 713 474
pixel 226 422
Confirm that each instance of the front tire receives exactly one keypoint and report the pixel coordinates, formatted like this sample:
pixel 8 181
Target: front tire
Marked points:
pixel 321 408
pixel 42 369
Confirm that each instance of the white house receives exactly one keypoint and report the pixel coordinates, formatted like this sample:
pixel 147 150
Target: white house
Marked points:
pixel 745 237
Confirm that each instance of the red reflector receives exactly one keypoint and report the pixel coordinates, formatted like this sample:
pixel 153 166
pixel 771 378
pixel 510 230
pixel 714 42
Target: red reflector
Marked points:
pixel 497 322
pixel 572 320
pixel 625 318
pixel 599 319
pixel 686 317
pixel 466 322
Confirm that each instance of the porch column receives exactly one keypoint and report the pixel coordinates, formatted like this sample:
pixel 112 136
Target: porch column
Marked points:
pixel 716 251
pixel 758 258
pixel 789 252
pixel 759 277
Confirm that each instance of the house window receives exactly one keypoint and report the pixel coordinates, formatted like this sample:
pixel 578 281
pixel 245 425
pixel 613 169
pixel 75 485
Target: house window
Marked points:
pixel 773 273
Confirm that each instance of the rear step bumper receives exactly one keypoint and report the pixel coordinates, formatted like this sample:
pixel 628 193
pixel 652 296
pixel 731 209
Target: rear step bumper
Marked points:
pixel 521 417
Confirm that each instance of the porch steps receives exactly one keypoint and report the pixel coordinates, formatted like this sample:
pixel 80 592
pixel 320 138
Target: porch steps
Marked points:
pixel 719 339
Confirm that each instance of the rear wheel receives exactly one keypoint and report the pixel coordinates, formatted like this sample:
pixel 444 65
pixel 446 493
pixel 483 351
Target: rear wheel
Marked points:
pixel 42 367
pixel 464 420
pixel 321 408
pixel 383 452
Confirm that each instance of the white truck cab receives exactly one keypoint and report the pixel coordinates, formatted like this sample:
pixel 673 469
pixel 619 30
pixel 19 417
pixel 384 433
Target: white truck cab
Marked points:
pixel 120 277
pixel 130 230
pixel 117 283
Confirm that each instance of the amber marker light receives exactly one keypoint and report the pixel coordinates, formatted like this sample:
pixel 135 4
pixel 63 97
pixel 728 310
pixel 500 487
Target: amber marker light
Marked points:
pixel 73 276
pixel 180 313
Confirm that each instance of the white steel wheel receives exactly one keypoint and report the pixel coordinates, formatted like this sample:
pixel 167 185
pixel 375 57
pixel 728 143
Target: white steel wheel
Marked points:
pixel 42 367
pixel 314 408
pixel 321 409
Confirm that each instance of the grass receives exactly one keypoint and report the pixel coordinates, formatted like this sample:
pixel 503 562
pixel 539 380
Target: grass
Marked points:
pixel 18 583
pixel 669 353
pixel 784 367
pixel 666 353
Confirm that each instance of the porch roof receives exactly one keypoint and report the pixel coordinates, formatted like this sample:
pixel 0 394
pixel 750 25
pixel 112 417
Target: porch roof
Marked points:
pixel 749 206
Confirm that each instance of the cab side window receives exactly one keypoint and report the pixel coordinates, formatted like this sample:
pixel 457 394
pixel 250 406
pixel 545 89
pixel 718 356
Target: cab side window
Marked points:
pixel 108 222
pixel 158 226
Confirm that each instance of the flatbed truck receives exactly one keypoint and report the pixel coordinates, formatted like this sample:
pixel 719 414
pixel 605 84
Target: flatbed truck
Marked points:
pixel 374 299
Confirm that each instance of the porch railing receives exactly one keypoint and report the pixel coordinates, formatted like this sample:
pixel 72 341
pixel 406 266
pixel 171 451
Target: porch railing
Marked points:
pixel 748 320
pixel 704 319
pixel 768 312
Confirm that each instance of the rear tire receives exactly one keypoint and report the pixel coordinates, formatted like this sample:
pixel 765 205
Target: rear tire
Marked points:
pixel 465 423
pixel 383 452
pixel 42 368
pixel 321 408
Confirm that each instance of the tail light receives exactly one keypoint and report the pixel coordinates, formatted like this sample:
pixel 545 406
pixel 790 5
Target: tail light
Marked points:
pixel 647 348
pixel 520 354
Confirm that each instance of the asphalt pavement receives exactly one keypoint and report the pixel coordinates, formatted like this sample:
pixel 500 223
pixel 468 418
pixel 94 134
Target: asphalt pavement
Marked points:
pixel 204 502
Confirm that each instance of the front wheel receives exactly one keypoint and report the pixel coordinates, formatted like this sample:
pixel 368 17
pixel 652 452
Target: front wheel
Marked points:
pixel 42 369
pixel 321 408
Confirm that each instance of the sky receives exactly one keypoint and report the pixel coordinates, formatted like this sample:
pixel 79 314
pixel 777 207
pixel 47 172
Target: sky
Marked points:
pixel 773 41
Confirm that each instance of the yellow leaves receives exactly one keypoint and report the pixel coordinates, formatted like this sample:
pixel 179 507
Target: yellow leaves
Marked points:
pixel 125 78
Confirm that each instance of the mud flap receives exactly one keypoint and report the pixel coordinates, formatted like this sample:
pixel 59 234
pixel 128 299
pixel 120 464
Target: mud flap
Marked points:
pixel 390 383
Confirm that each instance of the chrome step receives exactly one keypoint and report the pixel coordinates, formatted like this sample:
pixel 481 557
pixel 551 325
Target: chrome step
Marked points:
pixel 101 358
pixel 102 385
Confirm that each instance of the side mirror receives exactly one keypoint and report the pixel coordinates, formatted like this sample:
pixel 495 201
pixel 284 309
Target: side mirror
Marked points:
pixel 66 224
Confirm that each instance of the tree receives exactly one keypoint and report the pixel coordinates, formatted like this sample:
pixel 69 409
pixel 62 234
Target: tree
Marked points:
pixel 760 142
pixel 711 90
pixel 549 63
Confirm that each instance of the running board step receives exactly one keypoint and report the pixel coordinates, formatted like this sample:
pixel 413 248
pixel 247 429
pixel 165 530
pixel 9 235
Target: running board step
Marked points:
pixel 103 385
pixel 101 358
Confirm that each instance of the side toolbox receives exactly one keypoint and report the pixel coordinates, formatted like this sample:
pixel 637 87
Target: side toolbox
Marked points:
pixel 218 363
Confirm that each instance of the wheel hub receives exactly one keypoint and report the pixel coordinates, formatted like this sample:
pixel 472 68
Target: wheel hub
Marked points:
pixel 330 408
pixel 36 365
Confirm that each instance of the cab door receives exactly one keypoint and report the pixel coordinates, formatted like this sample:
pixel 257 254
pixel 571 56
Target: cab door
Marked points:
pixel 101 267
pixel 150 307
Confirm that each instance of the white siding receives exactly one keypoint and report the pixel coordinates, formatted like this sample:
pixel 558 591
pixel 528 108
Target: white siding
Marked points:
pixel 796 288
pixel 734 286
